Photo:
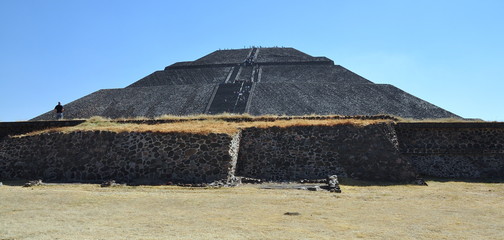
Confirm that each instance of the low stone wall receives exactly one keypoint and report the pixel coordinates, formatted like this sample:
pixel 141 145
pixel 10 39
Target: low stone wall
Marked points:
pixel 388 152
pixel 132 157
pixel 313 152
pixel 454 150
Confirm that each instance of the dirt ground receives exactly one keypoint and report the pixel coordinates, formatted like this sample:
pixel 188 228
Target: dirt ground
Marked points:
pixel 442 210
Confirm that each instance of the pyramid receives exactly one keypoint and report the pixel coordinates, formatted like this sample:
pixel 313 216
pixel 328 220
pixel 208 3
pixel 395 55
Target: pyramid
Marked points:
pixel 257 81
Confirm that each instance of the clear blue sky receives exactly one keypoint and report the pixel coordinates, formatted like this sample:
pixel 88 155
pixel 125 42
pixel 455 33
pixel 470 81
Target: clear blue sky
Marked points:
pixel 448 52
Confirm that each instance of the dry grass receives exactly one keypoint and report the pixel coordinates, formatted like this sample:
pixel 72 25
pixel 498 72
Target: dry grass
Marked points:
pixel 210 125
pixel 206 116
pixel 443 210
pixel 439 120
pixel 222 123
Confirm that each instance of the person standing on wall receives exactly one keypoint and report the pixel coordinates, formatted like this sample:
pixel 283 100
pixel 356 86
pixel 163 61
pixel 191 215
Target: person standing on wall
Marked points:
pixel 59 111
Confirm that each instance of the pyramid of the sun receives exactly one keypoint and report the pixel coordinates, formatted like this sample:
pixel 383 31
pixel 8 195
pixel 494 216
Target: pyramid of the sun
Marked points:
pixel 258 81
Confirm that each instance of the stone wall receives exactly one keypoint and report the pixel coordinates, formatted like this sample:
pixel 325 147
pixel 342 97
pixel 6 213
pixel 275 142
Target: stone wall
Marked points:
pixel 385 151
pixel 454 150
pixel 314 152
pixel 132 157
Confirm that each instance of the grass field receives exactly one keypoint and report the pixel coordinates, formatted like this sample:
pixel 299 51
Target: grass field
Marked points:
pixel 442 210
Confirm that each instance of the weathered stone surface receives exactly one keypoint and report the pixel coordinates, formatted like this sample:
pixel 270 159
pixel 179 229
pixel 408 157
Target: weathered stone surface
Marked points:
pixel 384 152
pixel 454 150
pixel 267 80
pixel 322 98
pixel 310 74
pixel 126 157
pixel 33 183
pixel 314 152
pixel 109 183
pixel 184 76
pixel 141 101
pixel 333 184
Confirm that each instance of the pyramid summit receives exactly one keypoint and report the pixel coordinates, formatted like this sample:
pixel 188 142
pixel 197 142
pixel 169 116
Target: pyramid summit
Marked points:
pixel 257 81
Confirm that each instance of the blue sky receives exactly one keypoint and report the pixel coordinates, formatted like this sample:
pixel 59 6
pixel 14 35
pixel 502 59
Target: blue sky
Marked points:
pixel 447 52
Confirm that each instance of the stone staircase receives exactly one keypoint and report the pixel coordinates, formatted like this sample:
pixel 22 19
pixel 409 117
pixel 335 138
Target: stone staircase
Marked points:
pixel 230 98
pixel 233 95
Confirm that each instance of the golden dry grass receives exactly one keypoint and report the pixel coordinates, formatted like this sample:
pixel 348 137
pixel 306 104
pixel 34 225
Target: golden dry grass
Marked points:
pixel 443 210
pixel 211 125
pixel 438 120
pixel 204 124
pixel 206 116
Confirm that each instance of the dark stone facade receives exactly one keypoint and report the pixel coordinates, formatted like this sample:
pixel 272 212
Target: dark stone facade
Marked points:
pixel 278 81
pixel 454 150
pixel 97 156
pixel 314 152
pixel 385 151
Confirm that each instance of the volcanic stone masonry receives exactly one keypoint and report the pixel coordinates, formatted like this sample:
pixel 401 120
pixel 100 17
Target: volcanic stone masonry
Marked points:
pixel 315 152
pixel 396 152
pixel 454 150
pixel 257 81
pixel 131 157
